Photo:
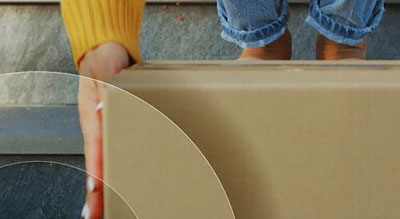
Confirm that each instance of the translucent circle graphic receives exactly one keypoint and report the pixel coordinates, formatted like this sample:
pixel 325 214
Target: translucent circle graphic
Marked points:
pixel 138 161
pixel 42 167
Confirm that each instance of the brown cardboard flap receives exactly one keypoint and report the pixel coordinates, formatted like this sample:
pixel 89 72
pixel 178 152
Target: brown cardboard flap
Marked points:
pixel 236 75
pixel 154 165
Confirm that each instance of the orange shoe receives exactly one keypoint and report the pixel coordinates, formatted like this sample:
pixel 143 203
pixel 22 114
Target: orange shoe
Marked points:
pixel 280 49
pixel 330 50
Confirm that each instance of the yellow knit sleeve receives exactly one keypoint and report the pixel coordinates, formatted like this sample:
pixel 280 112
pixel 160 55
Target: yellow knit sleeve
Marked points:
pixel 92 22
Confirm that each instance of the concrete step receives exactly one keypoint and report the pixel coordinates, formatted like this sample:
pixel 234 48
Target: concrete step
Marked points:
pixel 40 130
pixel 40 41
pixel 40 151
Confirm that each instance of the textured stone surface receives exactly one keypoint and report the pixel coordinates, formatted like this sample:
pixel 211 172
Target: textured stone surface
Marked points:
pixel 38 187
pixel 38 88
pixel 33 37
pixel 40 130
pixel 41 189
pixel 197 36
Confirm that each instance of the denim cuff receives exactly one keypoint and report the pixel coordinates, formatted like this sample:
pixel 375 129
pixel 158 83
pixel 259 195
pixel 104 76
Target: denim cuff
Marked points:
pixel 338 32
pixel 257 37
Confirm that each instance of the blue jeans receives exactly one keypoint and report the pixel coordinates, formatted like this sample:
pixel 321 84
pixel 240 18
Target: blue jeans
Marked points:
pixel 256 23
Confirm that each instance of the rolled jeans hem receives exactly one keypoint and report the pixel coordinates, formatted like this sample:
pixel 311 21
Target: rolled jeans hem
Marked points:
pixel 258 37
pixel 259 43
pixel 338 32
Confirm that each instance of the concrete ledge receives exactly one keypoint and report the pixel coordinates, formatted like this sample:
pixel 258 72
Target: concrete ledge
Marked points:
pixel 40 130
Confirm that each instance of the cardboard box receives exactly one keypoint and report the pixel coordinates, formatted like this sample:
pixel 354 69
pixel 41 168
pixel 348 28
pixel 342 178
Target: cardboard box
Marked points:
pixel 280 140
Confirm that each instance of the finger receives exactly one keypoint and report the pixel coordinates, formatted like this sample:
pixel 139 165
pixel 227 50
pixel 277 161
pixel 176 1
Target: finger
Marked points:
pixel 88 98
pixel 95 196
pixel 93 208
pixel 91 126
pixel 91 129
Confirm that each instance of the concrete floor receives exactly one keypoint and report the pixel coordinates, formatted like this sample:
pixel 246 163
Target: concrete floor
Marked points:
pixel 41 189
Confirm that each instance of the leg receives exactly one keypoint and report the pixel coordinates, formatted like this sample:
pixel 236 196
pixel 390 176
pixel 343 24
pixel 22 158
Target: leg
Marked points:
pixel 344 24
pixel 254 23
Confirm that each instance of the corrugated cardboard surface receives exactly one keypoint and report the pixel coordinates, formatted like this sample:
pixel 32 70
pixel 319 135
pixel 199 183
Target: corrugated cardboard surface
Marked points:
pixel 155 167
pixel 286 139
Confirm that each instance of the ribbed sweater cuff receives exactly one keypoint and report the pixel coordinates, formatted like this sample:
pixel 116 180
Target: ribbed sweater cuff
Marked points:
pixel 90 23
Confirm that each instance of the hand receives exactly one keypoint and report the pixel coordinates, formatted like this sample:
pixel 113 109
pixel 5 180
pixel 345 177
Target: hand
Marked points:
pixel 101 63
